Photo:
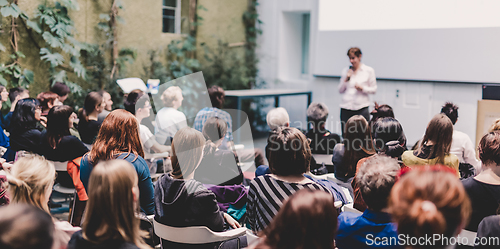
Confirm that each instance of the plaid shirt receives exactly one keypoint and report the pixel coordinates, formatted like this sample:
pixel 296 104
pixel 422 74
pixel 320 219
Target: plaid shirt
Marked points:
pixel 209 112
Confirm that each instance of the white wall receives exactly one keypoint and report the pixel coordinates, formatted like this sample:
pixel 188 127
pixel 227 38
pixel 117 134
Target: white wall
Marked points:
pixel 279 65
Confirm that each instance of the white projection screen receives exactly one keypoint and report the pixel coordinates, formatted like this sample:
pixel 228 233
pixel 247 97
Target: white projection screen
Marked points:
pixel 431 40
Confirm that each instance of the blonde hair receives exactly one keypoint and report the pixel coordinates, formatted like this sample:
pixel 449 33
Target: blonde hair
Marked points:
pixel 111 207
pixel 495 126
pixel 277 117
pixel 30 180
pixel 170 95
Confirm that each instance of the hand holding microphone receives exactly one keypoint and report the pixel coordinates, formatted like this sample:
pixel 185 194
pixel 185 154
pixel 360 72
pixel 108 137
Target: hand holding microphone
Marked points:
pixel 349 73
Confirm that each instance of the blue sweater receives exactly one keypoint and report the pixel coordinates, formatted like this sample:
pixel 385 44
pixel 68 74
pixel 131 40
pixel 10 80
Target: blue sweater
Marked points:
pixel 142 169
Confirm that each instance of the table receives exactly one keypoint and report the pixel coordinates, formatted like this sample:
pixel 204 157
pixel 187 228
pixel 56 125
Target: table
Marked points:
pixel 240 95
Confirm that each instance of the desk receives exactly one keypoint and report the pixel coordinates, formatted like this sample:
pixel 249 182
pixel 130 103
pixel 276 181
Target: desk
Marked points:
pixel 240 95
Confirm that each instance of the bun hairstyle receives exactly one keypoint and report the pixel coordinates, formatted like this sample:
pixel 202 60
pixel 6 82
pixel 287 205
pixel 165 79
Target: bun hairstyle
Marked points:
pixel 451 111
pixel 30 180
pixel 214 129
pixel 308 219
pixel 187 152
pixel 92 100
pixel 427 202
pixel 389 137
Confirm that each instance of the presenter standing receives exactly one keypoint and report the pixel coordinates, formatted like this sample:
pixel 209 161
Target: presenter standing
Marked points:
pixel 356 83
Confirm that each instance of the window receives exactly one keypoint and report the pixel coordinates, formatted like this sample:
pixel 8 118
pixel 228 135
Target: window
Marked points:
pixel 305 43
pixel 171 16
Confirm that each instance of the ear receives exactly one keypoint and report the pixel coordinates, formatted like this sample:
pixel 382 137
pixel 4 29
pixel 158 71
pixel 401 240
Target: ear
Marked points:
pixel 135 193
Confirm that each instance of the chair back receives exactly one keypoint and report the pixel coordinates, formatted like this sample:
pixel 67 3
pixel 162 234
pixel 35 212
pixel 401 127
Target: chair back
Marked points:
pixel 60 166
pixel 195 234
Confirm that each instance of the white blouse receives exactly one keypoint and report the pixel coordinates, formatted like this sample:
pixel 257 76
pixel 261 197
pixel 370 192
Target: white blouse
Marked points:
pixel 352 99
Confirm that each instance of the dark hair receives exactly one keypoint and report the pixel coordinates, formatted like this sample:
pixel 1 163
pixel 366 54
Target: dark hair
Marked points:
pixel 358 143
pixel 91 101
pixel 24 227
pixel 381 111
pixel 213 130
pixel 23 117
pixel 60 89
pixel 308 219
pixel 58 124
pixel 489 148
pixel 216 94
pixel 289 152
pixel 451 111
pixel 45 98
pixel 14 92
pixel 355 51
pixel 119 133
pixel 440 132
pixel 389 137
pixel 134 101
pixel 317 113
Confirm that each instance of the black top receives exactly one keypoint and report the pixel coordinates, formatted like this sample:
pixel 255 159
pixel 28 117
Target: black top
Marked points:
pixel 78 242
pixel 488 228
pixel 88 130
pixel 69 148
pixel 485 199
pixel 28 140
pixel 322 142
pixel 219 169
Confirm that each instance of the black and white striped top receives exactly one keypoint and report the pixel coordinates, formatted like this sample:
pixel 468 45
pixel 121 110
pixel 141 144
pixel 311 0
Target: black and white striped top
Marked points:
pixel 266 196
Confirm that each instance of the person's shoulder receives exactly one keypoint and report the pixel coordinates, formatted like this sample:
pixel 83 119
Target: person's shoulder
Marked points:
pixel 348 218
pixel 407 155
pixel 367 68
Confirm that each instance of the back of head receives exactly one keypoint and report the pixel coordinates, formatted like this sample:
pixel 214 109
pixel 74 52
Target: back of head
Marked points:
pixel 170 95
pixel 451 111
pixel 92 100
pixel 110 211
pixel 440 132
pixel 358 142
pixel 289 152
pixel 25 227
pixel 47 98
pixel 14 92
pixel 277 117
pixel 317 113
pixel 489 148
pixel 58 124
pixel 375 177
pixel 308 219
pixel 427 202
pixel 389 137
pixel 30 181
pixel 60 89
pixel 495 126
pixel 23 117
pixel 132 102
pixel 119 133
pixel 381 111
pixel 187 151
pixel 216 94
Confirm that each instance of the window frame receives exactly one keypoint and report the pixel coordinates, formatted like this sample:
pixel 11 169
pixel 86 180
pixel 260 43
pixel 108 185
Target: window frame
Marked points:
pixel 177 19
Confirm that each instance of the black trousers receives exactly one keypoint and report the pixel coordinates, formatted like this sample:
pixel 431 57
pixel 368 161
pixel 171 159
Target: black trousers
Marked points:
pixel 346 114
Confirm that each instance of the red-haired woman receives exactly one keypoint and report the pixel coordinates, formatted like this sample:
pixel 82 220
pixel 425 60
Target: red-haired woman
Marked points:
pixel 119 139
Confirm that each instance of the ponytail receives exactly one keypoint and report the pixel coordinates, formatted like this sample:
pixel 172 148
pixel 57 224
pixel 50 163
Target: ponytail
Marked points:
pixel 209 149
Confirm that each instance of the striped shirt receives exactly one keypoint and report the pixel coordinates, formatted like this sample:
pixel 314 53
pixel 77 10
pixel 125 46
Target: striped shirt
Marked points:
pixel 266 196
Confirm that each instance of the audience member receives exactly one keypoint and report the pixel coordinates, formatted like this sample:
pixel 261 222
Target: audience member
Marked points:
pixel 289 159
pixel 375 178
pixel 322 140
pixel 108 105
pixel 25 227
pixel 484 189
pixel 109 220
pixel 218 166
pixel 181 201
pixel 16 94
pixel 119 139
pixel 138 104
pixel 168 119
pixel 47 101
pixel 4 140
pixel 488 233
pixel 308 219
pixel 62 90
pixel 461 145
pixel 434 148
pixel 216 94
pixel 30 182
pixel 495 126
pixel 277 117
pixel 427 203
pixel 89 125
pixel 357 144
pixel 24 134
pixel 389 139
